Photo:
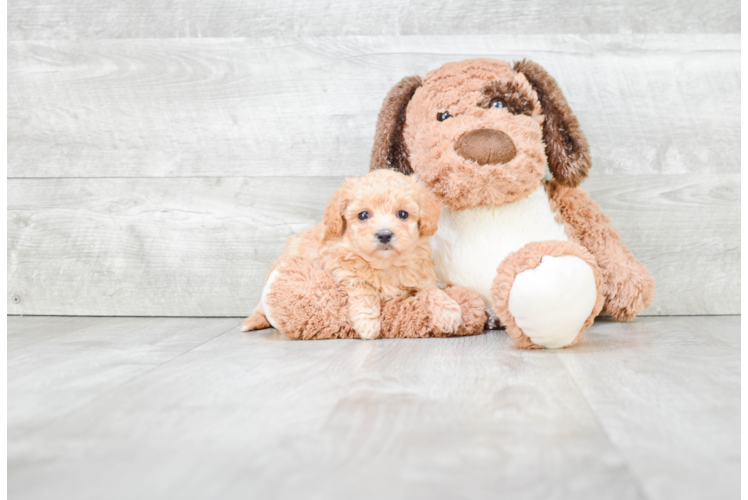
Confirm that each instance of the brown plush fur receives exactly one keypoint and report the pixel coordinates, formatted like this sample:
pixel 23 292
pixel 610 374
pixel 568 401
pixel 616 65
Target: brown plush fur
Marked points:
pixel 541 127
pixel 535 116
pixel 629 288
pixel 510 95
pixel 368 270
pixel 308 303
pixel 529 257
pixel 565 144
pixel 408 316
pixel 312 305
pixel 389 149
pixel 305 244
pixel 460 88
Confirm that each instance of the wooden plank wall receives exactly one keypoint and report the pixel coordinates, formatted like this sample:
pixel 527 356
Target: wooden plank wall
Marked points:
pixel 159 153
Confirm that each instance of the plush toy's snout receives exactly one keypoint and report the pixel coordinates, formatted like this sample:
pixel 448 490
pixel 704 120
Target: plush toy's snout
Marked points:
pixel 486 147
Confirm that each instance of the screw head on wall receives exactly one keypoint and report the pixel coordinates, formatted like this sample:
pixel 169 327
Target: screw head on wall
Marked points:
pixel 16 299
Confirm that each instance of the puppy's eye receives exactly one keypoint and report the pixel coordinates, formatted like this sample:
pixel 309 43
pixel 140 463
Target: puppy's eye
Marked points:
pixel 402 214
pixel 363 216
pixel 497 103
pixel 443 116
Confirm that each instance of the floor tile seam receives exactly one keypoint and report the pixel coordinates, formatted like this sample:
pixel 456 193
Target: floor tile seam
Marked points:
pixel 633 477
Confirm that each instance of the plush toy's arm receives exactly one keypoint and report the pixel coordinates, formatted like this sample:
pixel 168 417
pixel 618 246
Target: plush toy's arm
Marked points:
pixel 308 303
pixel 629 288
pixel 444 312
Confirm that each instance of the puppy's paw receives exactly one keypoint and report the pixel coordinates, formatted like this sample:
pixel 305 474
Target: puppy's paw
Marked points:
pixel 257 321
pixel 368 329
pixel 446 315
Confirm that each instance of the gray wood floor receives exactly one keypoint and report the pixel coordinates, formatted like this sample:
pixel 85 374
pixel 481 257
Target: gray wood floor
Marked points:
pixel 192 408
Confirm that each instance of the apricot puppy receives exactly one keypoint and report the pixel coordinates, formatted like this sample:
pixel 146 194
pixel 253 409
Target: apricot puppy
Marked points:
pixel 375 242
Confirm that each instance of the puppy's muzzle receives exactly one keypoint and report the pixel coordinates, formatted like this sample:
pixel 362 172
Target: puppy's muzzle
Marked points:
pixel 384 236
pixel 486 147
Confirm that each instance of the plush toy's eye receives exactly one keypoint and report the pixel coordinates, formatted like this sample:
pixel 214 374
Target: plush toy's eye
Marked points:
pixel 497 103
pixel 443 116
pixel 363 216
pixel 402 214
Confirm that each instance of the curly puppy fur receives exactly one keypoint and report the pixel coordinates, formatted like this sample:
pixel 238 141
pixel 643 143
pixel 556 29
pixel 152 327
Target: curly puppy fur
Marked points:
pixel 349 245
pixel 480 132
pixel 529 257
pixel 372 271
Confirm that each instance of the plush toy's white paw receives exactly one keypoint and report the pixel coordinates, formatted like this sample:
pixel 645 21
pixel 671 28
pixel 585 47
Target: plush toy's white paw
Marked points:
pixel 367 329
pixel 447 315
pixel 551 302
pixel 266 309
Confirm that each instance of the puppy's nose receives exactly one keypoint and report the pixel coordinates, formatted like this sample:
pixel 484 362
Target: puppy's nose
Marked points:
pixel 486 147
pixel 384 236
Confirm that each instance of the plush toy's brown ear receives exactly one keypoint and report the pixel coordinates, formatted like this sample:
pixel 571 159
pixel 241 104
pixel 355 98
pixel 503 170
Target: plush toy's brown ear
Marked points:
pixel 389 149
pixel 430 208
pixel 333 219
pixel 565 145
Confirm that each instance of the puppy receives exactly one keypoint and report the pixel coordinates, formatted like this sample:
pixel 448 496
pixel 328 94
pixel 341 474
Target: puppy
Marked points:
pixel 375 242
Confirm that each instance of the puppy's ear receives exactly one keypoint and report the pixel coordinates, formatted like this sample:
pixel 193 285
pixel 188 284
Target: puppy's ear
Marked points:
pixel 430 208
pixel 389 149
pixel 565 145
pixel 334 220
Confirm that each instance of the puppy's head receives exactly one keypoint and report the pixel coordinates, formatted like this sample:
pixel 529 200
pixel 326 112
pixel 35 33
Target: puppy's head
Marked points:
pixel 479 132
pixel 382 215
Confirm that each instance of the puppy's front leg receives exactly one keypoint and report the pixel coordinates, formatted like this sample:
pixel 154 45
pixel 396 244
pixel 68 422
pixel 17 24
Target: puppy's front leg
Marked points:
pixel 364 307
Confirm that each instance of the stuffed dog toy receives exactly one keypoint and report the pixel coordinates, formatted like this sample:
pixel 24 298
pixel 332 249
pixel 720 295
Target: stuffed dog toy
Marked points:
pixel 543 257
pixel 372 249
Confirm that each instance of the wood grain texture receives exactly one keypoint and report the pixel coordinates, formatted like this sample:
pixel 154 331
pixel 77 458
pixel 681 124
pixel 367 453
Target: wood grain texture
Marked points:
pixel 153 247
pixel 85 358
pixel 743 231
pixel 203 246
pixel 649 104
pixel 669 384
pixel 643 410
pixel 76 19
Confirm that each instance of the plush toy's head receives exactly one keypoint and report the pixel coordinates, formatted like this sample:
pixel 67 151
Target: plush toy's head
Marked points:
pixel 479 132
pixel 382 215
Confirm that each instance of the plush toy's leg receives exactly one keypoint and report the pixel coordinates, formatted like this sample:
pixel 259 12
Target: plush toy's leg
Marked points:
pixel 629 287
pixel 547 293
pixel 303 301
pixel 410 317
pixel 444 312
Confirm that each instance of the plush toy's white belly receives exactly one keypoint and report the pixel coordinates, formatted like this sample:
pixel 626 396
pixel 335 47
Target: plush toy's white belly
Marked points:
pixel 470 244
